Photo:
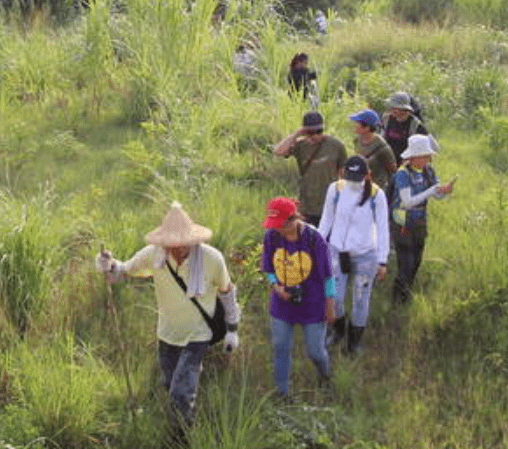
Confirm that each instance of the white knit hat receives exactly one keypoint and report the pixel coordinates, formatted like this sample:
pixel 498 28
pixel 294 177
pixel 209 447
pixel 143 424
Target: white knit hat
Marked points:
pixel 418 145
pixel 177 229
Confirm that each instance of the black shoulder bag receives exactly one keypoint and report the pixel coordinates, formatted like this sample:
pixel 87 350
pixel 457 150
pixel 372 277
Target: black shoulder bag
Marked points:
pixel 217 323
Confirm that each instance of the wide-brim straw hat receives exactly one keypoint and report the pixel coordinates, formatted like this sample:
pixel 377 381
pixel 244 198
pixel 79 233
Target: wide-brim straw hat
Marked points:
pixel 418 145
pixel 178 229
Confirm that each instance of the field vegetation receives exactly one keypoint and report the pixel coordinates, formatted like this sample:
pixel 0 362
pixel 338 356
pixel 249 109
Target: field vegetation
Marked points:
pixel 112 111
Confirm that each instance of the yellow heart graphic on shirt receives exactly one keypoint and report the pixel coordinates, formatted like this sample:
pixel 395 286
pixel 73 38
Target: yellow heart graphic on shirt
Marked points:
pixel 287 266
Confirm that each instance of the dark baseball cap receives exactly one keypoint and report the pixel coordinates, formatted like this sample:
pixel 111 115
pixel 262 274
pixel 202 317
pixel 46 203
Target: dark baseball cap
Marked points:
pixel 355 168
pixel 313 121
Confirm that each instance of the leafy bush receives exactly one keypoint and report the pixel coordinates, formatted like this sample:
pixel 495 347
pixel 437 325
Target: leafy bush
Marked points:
pixel 17 427
pixel 24 281
pixel 60 385
pixel 484 87
pixel 493 13
pixel 418 11
pixel 496 129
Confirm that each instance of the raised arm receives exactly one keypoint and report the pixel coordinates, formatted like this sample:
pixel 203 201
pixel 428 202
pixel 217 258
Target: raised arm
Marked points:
pixel 284 147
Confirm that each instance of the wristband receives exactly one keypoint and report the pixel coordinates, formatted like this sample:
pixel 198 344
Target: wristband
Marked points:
pixel 272 278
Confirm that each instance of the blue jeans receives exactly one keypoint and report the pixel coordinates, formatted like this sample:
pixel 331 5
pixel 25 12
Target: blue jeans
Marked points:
pixel 181 366
pixel 282 341
pixel 363 271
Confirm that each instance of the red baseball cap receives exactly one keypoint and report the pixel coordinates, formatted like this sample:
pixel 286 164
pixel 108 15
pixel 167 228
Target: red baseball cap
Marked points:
pixel 278 210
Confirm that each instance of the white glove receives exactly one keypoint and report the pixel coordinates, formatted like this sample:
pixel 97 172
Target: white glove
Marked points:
pixel 114 268
pixel 104 261
pixel 231 341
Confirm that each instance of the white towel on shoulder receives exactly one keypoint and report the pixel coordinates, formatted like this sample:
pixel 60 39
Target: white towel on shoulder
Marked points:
pixel 196 282
pixel 196 285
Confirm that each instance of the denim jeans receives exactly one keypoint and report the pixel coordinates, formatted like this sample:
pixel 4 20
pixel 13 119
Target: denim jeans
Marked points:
pixel 181 366
pixel 363 271
pixel 282 340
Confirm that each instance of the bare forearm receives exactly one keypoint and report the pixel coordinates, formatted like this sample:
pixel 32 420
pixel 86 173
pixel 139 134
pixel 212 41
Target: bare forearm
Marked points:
pixel 283 148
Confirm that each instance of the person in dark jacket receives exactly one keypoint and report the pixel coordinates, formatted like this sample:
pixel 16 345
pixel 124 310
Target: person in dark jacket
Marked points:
pixel 399 123
pixel 300 76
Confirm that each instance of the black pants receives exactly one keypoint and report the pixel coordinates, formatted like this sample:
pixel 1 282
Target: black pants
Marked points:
pixel 409 257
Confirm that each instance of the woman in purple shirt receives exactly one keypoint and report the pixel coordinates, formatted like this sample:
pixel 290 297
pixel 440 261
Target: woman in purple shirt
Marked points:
pixel 297 263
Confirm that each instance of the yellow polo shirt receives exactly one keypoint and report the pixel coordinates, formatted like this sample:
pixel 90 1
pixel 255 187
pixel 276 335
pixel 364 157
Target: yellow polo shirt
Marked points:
pixel 180 322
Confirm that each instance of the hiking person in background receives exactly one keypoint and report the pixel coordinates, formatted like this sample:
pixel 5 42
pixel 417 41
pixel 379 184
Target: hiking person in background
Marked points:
pixel 297 263
pixel 413 184
pixel 219 13
pixel 319 158
pixel 245 61
pixel 373 147
pixel 399 123
pixel 321 22
pixel 299 75
pixel 183 334
pixel 355 223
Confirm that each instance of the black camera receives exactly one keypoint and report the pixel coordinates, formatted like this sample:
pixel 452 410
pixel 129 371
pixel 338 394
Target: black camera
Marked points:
pixel 345 262
pixel 296 292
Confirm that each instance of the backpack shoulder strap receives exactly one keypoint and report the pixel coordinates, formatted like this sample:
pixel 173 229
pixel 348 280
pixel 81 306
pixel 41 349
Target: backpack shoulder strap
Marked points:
pixel 384 120
pixel 340 186
pixel 373 193
pixel 413 126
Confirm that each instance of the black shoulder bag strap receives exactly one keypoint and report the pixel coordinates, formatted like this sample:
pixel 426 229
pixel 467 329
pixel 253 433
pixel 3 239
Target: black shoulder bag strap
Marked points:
pixel 183 286
pixel 311 158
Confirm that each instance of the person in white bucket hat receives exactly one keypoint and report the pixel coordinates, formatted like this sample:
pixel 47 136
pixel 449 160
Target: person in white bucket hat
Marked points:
pixel 182 332
pixel 414 183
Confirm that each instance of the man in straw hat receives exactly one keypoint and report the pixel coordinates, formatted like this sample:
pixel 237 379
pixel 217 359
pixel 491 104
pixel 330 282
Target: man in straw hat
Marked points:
pixel 319 158
pixel 182 332
pixel 414 184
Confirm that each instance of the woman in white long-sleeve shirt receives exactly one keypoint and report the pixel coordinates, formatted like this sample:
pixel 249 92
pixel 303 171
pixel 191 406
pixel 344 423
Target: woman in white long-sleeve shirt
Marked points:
pixel 355 223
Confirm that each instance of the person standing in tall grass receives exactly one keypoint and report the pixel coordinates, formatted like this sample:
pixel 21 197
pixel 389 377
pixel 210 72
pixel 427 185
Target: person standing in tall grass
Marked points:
pixel 297 263
pixel 373 147
pixel 299 76
pixel 319 158
pixel 413 185
pixel 399 123
pixel 177 248
pixel 355 223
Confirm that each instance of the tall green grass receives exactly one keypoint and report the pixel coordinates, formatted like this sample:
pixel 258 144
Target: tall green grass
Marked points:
pixel 107 121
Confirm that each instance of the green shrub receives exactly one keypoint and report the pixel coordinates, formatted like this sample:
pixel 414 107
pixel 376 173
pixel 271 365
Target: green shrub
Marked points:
pixel 492 13
pixel 17 427
pixel 63 386
pixel 496 129
pixel 483 88
pixel 24 276
pixel 419 11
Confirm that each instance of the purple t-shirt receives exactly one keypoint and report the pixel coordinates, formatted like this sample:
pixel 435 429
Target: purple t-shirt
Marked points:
pixel 305 262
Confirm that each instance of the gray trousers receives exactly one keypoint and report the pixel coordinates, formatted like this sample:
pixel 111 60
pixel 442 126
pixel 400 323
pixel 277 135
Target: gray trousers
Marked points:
pixel 181 366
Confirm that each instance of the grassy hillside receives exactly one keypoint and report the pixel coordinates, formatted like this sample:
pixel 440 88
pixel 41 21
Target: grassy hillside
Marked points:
pixel 107 120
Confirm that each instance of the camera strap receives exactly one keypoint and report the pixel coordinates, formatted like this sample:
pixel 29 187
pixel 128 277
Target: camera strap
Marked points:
pixel 183 286
pixel 299 259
